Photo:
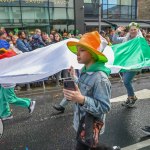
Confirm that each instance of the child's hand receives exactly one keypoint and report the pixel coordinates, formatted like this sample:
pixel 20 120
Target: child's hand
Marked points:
pixel 72 72
pixel 74 96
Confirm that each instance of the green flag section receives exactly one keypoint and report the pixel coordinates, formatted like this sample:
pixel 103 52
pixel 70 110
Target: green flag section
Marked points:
pixel 131 55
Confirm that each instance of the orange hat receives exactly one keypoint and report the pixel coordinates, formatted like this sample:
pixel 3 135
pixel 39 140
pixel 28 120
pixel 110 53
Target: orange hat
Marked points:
pixel 91 41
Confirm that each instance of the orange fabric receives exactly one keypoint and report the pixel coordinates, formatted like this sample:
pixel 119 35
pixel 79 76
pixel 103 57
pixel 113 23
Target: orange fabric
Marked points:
pixel 7 53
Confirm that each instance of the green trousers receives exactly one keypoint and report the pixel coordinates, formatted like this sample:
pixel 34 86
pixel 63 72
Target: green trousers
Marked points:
pixel 8 96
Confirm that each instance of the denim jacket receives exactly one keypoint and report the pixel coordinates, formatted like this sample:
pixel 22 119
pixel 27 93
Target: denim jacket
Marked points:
pixel 23 45
pixel 96 88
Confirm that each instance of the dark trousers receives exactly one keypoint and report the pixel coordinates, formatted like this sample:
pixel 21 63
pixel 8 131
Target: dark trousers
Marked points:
pixel 81 146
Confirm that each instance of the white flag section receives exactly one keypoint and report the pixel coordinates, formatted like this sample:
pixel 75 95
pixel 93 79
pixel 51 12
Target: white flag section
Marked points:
pixel 38 64
pixel 108 52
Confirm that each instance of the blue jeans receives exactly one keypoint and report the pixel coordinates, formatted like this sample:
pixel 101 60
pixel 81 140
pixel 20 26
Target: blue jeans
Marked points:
pixel 127 79
pixel 64 102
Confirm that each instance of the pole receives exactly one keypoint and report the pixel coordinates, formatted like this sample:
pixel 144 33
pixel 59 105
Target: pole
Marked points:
pixel 100 16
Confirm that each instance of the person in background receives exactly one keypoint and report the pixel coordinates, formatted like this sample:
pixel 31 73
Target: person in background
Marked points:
pixel 22 43
pixel 128 76
pixel 148 38
pixel 3 42
pixel 65 36
pixel 102 33
pixel 46 38
pixel 58 38
pixel 37 41
pixel 51 36
pixel 2 29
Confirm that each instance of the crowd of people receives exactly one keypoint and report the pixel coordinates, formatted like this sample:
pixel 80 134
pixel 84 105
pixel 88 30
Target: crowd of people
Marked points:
pixel 92 95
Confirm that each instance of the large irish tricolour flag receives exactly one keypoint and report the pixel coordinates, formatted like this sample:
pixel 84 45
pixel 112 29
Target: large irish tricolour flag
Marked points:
pixel 44 62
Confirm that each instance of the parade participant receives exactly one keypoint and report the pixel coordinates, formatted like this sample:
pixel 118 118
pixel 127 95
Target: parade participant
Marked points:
pixel 92 95
pixel 128 75
pixel 8 96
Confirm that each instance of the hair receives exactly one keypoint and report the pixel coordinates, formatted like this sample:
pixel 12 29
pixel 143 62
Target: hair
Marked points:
pixel 20 33
pixel 134 24
pixel 1 33
pixel 37 30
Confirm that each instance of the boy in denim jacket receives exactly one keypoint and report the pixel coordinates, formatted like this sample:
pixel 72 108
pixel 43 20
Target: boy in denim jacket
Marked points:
pixel 92 95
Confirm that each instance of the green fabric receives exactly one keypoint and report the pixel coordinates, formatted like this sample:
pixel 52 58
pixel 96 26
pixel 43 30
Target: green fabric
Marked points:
pixel 8 96
pixel 132 55
pixel 4 106
pixel 98 66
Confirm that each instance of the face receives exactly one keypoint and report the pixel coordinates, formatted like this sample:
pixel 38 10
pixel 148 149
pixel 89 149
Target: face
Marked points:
pixel 83 56
pixel 14 39
pixel 3 36
pixel 45 36
pixel 51 36
pixel 23 35
pixel 57 37
pixel 133 31
pixel 38 32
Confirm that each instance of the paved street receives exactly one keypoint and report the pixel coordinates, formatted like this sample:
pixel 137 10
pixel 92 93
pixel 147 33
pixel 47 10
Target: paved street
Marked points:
pixel 45 130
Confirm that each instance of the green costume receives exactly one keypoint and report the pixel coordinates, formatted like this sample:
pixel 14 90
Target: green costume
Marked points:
pixel 8 96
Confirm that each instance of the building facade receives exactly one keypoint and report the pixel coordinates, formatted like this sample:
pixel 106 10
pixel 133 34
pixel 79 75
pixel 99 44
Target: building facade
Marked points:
pixel 144 9
pixel 43 14
pixel 115 13
pixel 73 15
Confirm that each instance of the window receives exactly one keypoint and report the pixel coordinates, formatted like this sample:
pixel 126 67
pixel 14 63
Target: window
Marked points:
pixel 115 2
pixel 126 2
pixel 10 14
pixel 105 9
pixel 104 2
pixel 118 9
pixel 61 13
pixel 35 15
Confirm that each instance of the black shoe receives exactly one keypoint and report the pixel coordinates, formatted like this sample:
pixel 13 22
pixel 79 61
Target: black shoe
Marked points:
pixel 146 130
pixel 59 108
pixel 116 148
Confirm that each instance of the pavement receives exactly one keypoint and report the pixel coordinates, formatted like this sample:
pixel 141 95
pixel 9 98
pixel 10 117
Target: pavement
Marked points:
pixel 45 129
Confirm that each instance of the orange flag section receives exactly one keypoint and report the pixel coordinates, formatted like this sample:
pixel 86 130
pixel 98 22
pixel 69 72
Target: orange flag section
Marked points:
pixel 6 53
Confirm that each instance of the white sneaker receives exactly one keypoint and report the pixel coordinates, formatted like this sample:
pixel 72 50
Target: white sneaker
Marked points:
pixel 32 106
pixel 7 118
pixel 116 148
